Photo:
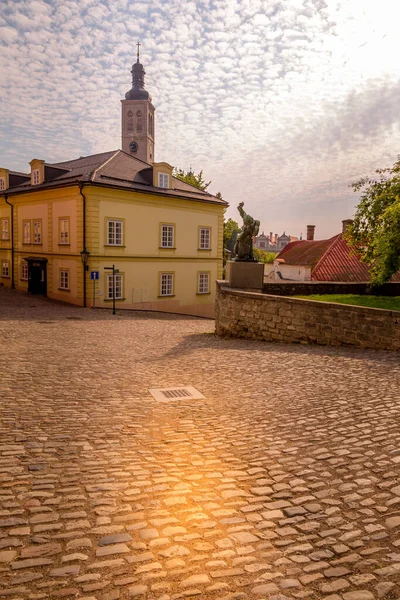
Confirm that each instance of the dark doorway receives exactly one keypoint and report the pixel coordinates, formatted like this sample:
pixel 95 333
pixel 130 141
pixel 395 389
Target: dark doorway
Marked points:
pixel 37 275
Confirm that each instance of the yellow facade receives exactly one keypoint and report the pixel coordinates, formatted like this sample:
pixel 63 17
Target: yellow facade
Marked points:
pixel 54 219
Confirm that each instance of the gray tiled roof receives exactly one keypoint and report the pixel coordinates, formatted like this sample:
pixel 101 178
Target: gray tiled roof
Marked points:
pixel 115 169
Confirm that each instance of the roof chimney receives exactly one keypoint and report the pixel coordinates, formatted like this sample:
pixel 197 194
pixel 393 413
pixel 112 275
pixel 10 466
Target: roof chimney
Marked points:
pixel 346 224
pixel 310 232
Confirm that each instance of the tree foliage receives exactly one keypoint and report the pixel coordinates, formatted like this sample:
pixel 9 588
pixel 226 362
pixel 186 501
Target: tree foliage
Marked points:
pixel 264 256
pixel 231 231
pixel 192 178
pixel 375 232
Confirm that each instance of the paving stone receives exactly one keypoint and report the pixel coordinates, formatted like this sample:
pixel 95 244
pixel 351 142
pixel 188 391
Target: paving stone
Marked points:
pixel 393 522
pixel 358 595
pixel 112 549
pixel 137 590
pixel 247 489
pixel 200 579
pixel 384 588
pixel 244 537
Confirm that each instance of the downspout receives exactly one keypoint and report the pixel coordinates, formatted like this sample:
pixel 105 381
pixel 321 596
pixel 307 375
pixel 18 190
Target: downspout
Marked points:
pixel 12 240
pixel 84 240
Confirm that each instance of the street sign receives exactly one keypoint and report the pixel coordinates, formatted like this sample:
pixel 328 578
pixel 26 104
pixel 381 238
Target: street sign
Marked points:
pixel 94 275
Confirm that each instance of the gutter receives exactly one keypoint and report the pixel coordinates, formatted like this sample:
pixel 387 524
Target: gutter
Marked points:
pixel 12 240
pixel 84 251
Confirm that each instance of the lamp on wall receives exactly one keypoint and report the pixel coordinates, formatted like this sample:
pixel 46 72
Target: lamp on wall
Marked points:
pixel 85 257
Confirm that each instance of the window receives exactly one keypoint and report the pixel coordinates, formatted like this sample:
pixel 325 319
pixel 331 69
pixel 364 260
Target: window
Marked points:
pixel 130 121
pixel 163 180
pixel 37 231
pixel 118 286
pixel 64 280
pixel 35 176
pixel 24 271
pixel 167 236
pixel 2 183
pixel 262 245
pixel 205 238
pixel 5 268
pixel 203 283
pixel 27 232
pixel 151 126
pixel 5 229
pixel 114 233
pixel 167 284
pixel 139 122
pixel 63 226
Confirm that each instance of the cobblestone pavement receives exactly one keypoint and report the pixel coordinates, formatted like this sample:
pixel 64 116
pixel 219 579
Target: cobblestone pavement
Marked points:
pixel 284 482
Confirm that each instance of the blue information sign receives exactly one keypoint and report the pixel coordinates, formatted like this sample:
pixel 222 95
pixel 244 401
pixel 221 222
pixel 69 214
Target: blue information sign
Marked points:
pixel 94 275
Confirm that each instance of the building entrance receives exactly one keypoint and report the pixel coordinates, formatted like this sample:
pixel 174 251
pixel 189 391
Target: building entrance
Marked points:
pixel 37 275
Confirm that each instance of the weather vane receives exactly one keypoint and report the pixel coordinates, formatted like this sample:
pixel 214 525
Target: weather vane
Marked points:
pixel 138 50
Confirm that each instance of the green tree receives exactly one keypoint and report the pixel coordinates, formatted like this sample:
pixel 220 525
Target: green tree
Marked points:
pixel 375 232
pixel 192 178
pixel 231 231
pixel 264 256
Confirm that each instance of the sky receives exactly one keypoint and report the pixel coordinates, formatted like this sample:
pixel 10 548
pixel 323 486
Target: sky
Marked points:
pixel 281 103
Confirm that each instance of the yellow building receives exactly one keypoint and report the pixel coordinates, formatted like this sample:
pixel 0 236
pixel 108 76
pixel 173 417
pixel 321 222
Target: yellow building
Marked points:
pixel 62 222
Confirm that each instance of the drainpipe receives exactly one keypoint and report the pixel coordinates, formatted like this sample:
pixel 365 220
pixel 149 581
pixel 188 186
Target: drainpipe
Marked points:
pixel 12 240
pixel 84 241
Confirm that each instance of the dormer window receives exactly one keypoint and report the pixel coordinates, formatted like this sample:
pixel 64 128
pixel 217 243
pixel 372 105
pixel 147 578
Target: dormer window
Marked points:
pixel 2 184
pixel 163 180
pixel 35 176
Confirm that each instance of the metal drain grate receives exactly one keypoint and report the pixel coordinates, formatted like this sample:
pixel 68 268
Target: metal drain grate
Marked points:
pixel 175 393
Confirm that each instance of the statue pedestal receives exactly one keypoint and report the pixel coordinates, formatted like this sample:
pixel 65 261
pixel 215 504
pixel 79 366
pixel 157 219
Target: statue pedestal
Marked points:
pixel 245 275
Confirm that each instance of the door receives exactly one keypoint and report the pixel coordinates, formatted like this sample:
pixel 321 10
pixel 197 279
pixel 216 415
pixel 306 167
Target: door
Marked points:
pixel 37 277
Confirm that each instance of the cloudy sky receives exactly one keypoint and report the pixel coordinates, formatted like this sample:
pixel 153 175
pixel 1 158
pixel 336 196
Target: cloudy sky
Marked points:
pixel 282 103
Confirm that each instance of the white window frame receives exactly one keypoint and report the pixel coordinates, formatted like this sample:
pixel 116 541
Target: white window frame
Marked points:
pixel 35 177
pixel 203 283
pixel 166 284
pixel 2 184
pixel 63 225
pixel 27 229
pixel 24 271
pixel 5 268
pixel 163 180
pixel 205 240
pixel 64 279
pixel 167 236
pixel 5 229
pixel 113 234
pixel 119 287
pixel 37 234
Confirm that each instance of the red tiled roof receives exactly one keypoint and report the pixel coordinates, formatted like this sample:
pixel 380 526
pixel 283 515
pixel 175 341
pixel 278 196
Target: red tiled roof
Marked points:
pixel 305 252
pixel 330 260
pixel 340 264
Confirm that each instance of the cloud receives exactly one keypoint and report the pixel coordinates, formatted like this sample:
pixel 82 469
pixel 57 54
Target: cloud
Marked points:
pixel 282 104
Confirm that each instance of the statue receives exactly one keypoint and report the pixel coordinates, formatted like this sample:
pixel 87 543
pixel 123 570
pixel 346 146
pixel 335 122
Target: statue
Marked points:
pixel 243 250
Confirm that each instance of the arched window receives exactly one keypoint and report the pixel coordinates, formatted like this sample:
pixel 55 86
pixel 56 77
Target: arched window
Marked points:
pixel 139 122
pixel 151 131
pixel 130 121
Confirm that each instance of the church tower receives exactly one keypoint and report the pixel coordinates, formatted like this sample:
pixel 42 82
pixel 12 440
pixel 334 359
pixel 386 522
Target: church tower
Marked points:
pixel 138 117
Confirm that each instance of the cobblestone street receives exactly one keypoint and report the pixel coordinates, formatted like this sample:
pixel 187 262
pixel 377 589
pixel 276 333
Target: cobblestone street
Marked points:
pixel 284 482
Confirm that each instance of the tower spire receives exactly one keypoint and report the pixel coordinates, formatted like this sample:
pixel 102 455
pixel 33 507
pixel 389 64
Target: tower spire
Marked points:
pixel 138 51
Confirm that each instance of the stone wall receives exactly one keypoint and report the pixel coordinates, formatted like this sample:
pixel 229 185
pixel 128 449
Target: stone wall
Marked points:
pixel 307 288
pixel 292 320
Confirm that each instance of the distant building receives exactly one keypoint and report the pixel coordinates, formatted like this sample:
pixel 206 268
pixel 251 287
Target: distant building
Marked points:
pixel 320 260
pixel 273 242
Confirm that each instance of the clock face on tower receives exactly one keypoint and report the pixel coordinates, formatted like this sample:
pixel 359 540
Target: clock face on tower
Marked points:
pixel 133 146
